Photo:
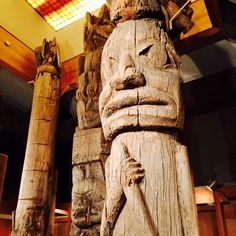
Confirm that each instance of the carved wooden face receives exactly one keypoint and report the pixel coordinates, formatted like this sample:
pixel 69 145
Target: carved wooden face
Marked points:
pixel 140 78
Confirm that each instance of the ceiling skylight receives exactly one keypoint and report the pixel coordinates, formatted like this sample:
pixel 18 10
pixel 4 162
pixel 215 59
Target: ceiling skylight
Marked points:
pixel 60 13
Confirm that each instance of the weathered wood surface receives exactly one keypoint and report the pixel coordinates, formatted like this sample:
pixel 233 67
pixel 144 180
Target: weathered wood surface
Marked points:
pixel 89 148
pixel 163 10
pixel 149 191
pixel 51 226
pixel 141 81
pixel 88 192
pixel 96 31
pixel 33 207
pixel 148 182
pixel 122 10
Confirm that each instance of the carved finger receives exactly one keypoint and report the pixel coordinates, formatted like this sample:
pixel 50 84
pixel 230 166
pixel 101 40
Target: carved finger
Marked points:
pixel 139 170
pixel 137 178
pixel 131 166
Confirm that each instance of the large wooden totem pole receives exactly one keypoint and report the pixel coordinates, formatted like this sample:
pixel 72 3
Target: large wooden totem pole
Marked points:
pixel 33 207
pixel 148 182
pixel 89 149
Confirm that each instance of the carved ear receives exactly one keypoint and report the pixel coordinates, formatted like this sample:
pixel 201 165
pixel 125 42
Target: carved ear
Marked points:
pixel 89 19
pixel 104 12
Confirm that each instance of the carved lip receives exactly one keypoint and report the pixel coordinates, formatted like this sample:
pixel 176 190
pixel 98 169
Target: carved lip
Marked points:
pixel 133 97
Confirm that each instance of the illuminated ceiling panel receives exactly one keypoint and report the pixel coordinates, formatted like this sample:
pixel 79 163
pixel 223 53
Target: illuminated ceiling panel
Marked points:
pixel 60 13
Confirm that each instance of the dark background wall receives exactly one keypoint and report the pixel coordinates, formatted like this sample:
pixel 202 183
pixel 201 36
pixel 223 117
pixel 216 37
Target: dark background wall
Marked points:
pixel 210 127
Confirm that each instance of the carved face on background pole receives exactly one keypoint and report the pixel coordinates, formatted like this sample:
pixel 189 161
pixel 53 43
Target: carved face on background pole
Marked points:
pixel 140 78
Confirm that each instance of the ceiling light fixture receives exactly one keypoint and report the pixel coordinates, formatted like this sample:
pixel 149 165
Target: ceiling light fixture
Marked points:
pixel 64 12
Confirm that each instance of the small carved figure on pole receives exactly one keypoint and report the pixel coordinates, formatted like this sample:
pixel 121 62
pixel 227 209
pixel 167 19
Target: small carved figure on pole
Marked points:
pixel 48 57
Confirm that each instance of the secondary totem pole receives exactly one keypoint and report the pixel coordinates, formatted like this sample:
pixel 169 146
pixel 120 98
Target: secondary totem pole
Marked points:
pixel 33 207
pixel 148 182
pixel 89 148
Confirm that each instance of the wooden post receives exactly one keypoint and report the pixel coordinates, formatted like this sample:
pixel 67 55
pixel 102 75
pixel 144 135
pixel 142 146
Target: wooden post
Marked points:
pixel 33 207
pixel 3 167
pixel 89 150
pixel 51 227
pixel 219 216
pixel 148 181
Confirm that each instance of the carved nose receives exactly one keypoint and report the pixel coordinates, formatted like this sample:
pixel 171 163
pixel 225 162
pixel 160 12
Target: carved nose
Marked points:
pixel 132 79
pixel 128 77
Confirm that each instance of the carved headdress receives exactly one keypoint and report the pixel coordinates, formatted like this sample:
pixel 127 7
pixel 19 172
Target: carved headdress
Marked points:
pixel 163 10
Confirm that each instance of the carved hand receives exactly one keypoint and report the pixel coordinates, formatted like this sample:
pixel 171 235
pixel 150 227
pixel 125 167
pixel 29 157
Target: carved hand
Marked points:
pixel 131 171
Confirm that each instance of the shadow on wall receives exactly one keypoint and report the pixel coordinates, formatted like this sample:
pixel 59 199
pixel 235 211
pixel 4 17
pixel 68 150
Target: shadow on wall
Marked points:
pixel 209 60
pixel 211 113
pixel 212 146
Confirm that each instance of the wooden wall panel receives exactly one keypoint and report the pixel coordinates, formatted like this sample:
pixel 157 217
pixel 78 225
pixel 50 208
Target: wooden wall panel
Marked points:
pixel 16 56
pixel 3 167
pixel 5 227
pixel 69 74
pixel 207 223
pixel 230 227
pixel 61 227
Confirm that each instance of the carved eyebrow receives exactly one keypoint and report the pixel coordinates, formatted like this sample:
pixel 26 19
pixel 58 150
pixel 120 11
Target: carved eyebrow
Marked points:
pixel 144 50
pixel 142 44
pixel 111 57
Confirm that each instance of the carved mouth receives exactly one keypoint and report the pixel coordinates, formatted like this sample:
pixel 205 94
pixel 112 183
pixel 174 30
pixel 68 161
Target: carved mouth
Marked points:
pixel 133 97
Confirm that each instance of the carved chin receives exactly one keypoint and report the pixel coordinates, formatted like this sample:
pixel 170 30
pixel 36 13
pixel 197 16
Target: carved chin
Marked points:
pixel 142 117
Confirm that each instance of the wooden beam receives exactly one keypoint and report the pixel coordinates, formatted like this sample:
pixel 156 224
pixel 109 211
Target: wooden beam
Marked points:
pixel 51 226
pixel 219 216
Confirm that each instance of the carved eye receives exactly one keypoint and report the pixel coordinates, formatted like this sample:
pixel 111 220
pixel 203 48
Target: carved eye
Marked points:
pixel 144 52
pixel 112 58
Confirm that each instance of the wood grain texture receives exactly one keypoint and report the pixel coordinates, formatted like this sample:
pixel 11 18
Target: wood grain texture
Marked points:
pixel 141 80
pixel 148 181
pixel 164 195
pixel 89 150
pixel 123 10
pixel 69 74
pixel 96 31
pixel 88 192
pixel 33 207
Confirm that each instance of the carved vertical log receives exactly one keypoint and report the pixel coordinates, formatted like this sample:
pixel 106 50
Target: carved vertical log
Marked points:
pixel 148 181
pixel 33 207
pixel 51 225
pixel 89 152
